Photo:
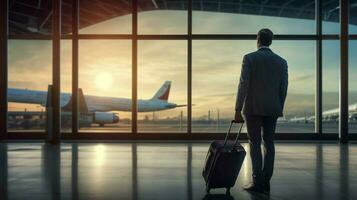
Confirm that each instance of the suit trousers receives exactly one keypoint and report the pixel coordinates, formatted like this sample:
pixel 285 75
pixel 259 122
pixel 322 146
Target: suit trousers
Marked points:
pixel 262 170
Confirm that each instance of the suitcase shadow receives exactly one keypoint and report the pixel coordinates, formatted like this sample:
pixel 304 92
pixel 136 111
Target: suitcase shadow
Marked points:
pixel 257 196
pixel 218 197
pixel 253 196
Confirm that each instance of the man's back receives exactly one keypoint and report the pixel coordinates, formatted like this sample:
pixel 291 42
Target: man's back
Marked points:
pixel 261 96
pixel 267 84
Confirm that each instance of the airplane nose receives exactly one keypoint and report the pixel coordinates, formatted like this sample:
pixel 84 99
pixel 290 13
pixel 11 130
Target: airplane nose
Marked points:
pixel 115 119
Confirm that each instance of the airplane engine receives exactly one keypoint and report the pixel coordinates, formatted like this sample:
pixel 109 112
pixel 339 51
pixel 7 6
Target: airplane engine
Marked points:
pixel 102 118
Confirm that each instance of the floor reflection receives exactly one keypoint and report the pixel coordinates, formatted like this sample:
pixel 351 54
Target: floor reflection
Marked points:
pixel 3 171
pixel 166 171
pixel 51 163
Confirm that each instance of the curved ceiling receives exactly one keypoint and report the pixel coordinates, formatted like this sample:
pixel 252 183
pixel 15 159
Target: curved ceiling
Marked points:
pixel 34 16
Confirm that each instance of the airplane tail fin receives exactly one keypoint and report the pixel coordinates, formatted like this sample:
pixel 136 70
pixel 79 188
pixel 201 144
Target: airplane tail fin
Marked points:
pixel 164 92
pixel 82 105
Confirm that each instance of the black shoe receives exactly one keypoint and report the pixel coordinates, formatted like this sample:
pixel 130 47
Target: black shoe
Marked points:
pixel 254 188
pixel 267 187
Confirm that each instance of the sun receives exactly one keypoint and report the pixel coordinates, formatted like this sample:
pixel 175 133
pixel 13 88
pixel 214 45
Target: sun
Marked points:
pixel 103 80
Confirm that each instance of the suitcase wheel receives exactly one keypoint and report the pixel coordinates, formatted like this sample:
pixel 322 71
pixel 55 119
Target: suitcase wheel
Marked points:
pixel 228 191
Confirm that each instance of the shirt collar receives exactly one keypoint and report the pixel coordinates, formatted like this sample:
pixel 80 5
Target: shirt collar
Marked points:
pixel 263 47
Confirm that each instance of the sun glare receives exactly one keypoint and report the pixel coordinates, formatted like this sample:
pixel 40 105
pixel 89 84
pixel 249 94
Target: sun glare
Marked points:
pixel 103 80
pixel 99 155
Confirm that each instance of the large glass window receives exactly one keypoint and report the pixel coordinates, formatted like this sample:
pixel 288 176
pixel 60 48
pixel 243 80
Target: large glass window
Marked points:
pixel 30 73
pixel 162 86
pixel 162 17
pixel 105 82
pixel 216 71
pixel 352 87
pixel 330 16
pixel 299 110
pixel 105 17
pixel 105 65
pixel 216 68
pixel 330 86
pixel 231 17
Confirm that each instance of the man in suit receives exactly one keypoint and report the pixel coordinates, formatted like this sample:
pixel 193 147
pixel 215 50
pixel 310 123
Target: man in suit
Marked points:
pixel 261 96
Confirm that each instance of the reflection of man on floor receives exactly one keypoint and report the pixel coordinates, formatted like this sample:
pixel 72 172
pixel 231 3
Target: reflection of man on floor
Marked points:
pixel 261 96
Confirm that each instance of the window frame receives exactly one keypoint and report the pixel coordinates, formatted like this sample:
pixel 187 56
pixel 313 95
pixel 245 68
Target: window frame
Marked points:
pixel 75 37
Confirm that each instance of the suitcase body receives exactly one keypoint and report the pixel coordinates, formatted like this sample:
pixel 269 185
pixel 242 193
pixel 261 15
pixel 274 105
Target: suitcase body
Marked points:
pixel 223 163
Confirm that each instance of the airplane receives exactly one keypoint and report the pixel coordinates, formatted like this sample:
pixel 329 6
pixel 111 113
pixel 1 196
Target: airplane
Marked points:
pixel 329 115
pixel 333 114
pixel 100 106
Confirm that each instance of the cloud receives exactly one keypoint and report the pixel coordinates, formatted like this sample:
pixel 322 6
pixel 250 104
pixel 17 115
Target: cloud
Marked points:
pixel 302 78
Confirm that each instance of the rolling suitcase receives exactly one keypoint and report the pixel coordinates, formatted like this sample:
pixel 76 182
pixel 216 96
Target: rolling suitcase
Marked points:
pixel 223 162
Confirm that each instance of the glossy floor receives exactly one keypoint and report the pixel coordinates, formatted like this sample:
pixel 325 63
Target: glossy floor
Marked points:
pixel 167 171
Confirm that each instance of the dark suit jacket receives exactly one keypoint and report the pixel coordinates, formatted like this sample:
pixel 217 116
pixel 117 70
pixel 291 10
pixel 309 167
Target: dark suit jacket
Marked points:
pixel 263 84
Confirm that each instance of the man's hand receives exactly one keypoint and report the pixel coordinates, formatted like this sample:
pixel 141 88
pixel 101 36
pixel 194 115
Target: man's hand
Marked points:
pixel 238 118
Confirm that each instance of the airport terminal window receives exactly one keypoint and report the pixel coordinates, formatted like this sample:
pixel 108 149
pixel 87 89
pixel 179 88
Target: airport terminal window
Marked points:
pixel 353 86
pixel 105 81
pixel 66 85
pixel 231 17
pixel 216 68
pixel 162 86
pixel 214 98
pixel 105 17
pixel 330 16
pixel 162 17
pixel 299 111
pixel 29 74
pixel 330 86
pixel 105 65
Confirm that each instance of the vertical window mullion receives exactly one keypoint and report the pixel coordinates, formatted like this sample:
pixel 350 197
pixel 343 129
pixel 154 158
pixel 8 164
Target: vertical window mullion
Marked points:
pixel 75 26
pixel 4 9
pixel 189 68
pixel 318 87
pixel 343 126
pixel 56 73
pixel 134 92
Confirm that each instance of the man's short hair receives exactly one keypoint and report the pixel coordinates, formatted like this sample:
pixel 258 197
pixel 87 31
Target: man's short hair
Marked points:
pixel 265 37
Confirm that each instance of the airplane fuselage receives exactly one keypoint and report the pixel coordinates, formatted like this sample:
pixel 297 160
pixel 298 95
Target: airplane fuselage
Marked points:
pixel 94 103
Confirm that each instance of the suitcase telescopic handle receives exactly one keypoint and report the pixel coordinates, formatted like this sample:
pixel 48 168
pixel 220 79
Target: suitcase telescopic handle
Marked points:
pixel 229 131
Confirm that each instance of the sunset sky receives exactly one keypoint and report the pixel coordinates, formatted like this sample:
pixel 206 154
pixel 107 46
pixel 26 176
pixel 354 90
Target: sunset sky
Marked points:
pixel 105 65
